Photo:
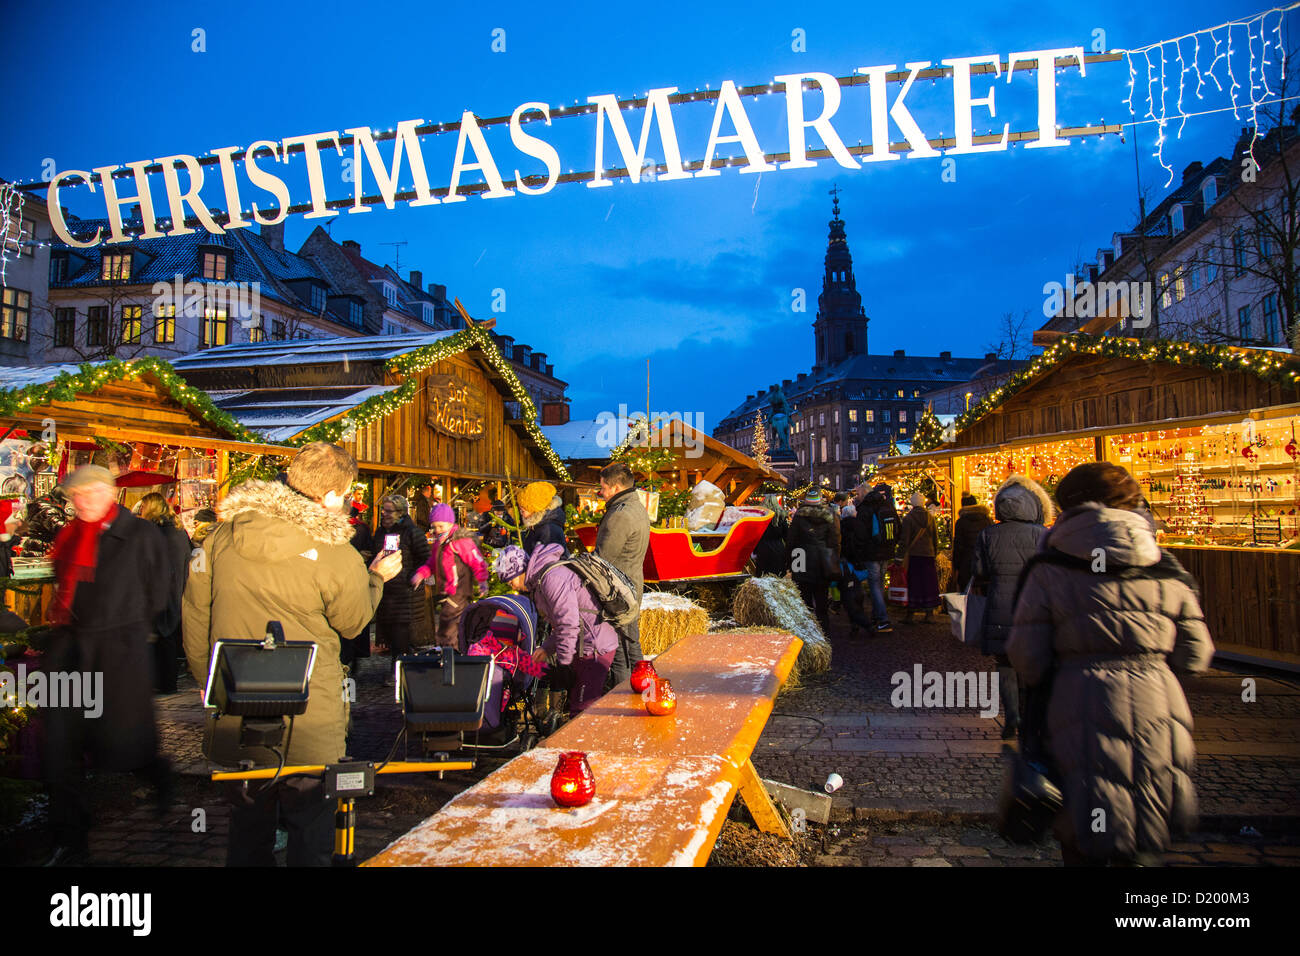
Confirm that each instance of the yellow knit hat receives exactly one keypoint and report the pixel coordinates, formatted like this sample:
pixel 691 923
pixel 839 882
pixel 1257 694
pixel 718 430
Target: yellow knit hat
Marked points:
pixel 536 497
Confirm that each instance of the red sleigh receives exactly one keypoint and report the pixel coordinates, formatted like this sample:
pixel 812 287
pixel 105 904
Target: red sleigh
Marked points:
pixel 671 556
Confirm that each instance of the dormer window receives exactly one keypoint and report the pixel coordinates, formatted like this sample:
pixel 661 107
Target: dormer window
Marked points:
pixel 116 267
pixel 428 314
pixel 216 265
pixel 390 295
pixel 58 268
pixel 354 313
pixel 318 298
pixel 1209 194
pixel 1175 220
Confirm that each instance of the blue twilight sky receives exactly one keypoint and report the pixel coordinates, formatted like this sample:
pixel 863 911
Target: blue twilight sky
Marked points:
pixel 695 275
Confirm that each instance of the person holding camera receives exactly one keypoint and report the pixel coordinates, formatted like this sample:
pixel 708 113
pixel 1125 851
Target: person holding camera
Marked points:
pixel 283 552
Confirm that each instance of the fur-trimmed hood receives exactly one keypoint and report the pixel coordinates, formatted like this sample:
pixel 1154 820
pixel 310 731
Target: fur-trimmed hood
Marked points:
pixel 1023 499
pixel 272 521
pixel 554 512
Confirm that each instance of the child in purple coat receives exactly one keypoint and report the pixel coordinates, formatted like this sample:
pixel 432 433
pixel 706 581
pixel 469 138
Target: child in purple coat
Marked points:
pixel 456 566
pixel 581 646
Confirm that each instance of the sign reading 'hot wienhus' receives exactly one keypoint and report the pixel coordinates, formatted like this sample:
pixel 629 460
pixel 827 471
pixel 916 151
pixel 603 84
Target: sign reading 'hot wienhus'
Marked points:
pixel 455 407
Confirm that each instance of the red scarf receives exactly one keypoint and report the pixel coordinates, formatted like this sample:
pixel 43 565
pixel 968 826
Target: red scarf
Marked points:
pixel 75 551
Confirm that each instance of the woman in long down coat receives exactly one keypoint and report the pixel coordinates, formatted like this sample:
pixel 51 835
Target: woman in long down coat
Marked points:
pixel 400 621
pixel 1107 617
pixel 918 545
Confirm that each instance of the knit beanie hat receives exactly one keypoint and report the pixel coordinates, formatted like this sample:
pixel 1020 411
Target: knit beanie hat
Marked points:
pixel 505 626
pixel 917 500
pixel 509 562
pixel 442 512
pixel 536 497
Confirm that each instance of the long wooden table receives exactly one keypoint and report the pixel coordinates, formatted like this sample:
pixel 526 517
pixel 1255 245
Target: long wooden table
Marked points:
pixel 663 784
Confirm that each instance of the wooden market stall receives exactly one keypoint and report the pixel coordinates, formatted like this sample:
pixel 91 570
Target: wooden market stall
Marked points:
pixel 1210 433
pixel 151 429
pixel 443 407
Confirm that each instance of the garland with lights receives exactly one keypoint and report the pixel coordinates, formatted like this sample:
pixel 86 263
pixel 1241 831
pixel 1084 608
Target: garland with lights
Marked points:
pixel 409 365
pixel 67 386
pixel 1268 366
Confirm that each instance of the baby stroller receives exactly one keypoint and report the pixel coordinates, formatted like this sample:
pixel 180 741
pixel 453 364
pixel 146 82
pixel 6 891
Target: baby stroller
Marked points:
pixel 504 627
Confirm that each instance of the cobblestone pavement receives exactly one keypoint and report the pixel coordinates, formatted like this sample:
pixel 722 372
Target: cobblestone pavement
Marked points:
pixel 919 784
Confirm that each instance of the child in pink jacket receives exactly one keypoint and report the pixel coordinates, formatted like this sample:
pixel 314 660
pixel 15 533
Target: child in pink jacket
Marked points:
pixel 455 565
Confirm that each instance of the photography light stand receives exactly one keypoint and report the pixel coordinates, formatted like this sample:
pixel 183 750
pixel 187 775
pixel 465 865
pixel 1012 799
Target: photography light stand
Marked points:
pixel 254 685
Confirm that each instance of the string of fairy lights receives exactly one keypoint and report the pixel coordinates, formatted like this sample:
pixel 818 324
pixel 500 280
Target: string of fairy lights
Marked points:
pixel 66 386
pixel 1155 59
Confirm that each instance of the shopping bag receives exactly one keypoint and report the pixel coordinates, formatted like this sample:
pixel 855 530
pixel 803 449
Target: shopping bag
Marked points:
pixel 897 577
pixel 973 618
pixel 954 606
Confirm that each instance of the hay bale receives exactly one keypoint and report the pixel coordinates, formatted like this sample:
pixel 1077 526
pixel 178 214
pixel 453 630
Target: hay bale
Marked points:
pixel 774 602
pixel 667 618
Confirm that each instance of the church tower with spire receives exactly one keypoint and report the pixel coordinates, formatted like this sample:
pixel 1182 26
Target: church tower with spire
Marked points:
pixel 841 325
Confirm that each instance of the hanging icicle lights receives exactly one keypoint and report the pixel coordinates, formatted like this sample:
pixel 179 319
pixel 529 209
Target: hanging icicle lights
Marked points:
pixel 11 224
pixel 1182 56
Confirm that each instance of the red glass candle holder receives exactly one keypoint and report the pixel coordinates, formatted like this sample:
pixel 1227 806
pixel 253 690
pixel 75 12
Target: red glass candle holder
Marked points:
pixel 572 783
pixel 660 698
pixel 643 673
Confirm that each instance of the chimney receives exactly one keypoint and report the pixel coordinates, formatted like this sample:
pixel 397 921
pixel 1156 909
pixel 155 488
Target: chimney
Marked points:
pixel 945 356
pixel 785 383
pixel 550 371
pixel 353 245
pixel 749 398
pixel 273 236
pixel 802 376
pixel 990 356
pixel 417 279
pixel 761 393
pixel 899 353
pixel 1192 170
pixel 437 291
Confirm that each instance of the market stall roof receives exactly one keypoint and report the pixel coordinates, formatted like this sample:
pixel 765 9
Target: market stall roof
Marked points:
pixel 138 400
pixel 1101 385
pixel 586 440
pixel 304 390
pixel 282 413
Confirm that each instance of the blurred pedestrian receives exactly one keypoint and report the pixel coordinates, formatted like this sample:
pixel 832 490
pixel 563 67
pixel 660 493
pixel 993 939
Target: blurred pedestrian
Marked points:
pixel 854 549
pixel 880 525
pixel 1105 617
pixel 353 649
pixel 457 571
pixel 283 553
pixel 402 620
pixel 814 554
pixel 972 518
pixel 918 548
pixel 770 553
pixel 167 649
pixel 1000 554
pixel 112 581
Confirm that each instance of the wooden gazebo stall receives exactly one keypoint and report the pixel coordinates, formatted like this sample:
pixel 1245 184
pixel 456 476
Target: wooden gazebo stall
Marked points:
pixel 443 407
pixel 1210 434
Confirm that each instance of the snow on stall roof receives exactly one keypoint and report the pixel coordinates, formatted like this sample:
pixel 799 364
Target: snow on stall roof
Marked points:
pixel 21 376
pixel 281 413
pixel 364 348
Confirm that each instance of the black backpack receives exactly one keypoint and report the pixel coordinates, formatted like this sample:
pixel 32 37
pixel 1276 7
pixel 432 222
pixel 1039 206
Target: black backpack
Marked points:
pixel 613 593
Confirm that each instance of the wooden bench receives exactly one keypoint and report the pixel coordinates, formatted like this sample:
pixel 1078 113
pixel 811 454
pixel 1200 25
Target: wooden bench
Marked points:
pixel 663 784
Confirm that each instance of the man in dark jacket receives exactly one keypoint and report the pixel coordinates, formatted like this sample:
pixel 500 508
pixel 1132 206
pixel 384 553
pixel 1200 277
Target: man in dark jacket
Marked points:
pixel 493 534
pixel 111 585
pixel 770 554
pixel 971 520
pixel 815 554
pixel 878 526
pixel 622 540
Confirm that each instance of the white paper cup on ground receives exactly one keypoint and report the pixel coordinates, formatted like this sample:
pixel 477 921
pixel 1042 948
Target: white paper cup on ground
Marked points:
pixel 833 783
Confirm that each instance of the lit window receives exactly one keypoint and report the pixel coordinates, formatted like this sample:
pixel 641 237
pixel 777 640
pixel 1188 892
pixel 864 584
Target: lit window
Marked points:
pixel 216 328
pixel 900 393
pixel 132 323
pixel 902 414
pixel 1166 297
pixel 836 419
pixel 870 414
pixel 116 267
pixel 823 450
pixel 164 327
pixel 216 265
pixel 821 420
pixel 853 414
pixel 1180 287
pixel 15 314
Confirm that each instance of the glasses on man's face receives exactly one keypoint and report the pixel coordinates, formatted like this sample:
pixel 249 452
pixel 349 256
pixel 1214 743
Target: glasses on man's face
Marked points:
pixel 389 511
